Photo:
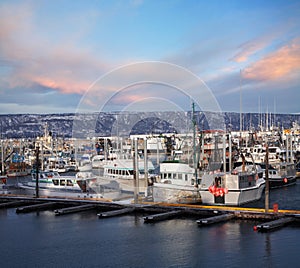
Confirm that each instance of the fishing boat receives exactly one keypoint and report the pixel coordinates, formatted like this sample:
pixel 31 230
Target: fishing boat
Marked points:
pixel 98 161
pixel 51 183
pixel 56 164
pixel 17 167
pixel 85 163
pixel 177 184
pixel 258 153
pixel 119 174
pixel 178 181
pixel 242 185
pixel 20 169
pixel 280 175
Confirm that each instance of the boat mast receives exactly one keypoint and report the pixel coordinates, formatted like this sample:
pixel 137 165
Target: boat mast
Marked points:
pixel 241 119
pixel 37 172
pixel 267 179
pixel 2 157
pixel 194 141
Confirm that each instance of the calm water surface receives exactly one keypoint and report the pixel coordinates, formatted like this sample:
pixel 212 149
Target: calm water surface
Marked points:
pixel 82 240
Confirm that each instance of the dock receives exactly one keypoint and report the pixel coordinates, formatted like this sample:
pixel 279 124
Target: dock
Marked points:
pixel 154 212
pixel 114 213
pixel 13 204
pixel 36 207
pixel 216 219
pixel 273 225
pixel 74 209
pixel 162 216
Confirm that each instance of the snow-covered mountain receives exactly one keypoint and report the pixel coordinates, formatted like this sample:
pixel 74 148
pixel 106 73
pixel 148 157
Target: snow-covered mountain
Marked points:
pixel 125 123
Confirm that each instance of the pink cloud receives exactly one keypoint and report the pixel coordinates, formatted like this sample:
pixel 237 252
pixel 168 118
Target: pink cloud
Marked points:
pixel 258 44
pixel 281 64
pixel 64 66
pixel 249 49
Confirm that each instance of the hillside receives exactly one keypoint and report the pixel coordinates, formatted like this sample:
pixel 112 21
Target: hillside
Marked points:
pixel 125 123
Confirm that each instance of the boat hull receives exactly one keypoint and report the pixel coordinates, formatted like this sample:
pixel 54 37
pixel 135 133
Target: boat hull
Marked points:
pixel 170 193
pixel 60 193
pixel 281 182
pixel 234 197
pixel 122 185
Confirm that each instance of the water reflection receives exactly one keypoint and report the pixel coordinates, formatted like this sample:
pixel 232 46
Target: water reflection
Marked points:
pixel 268 248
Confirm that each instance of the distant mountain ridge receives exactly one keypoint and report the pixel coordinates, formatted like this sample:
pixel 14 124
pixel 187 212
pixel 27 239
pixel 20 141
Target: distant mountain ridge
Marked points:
pixel 125 123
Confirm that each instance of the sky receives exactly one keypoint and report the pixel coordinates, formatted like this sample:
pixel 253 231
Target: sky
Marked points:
pixel 57 55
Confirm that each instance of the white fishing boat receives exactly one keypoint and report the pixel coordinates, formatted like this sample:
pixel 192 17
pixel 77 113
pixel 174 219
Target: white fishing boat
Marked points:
pixel 56 164
pixel 258 153
pixel 118 174
pixel 98 161
pixel 51 183
pixel 85 163
pixel 178 181
pixel 177 184
pixel 243 185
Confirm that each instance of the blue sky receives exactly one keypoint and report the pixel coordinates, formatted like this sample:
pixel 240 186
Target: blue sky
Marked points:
pixel 52 52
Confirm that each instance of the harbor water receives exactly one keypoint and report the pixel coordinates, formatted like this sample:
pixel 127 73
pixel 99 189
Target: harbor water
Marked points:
pixel 41 239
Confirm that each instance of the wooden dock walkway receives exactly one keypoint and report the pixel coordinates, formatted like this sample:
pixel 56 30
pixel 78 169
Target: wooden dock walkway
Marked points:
pixel 271 220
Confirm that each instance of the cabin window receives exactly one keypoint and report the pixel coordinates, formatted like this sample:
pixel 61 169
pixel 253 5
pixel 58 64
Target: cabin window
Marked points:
pixel 55 182
pixel 62 182
pixel 179 176
pixel 69 183
pixel 174 176
pixel 245 181
pixel 130 172
pixel 186 177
